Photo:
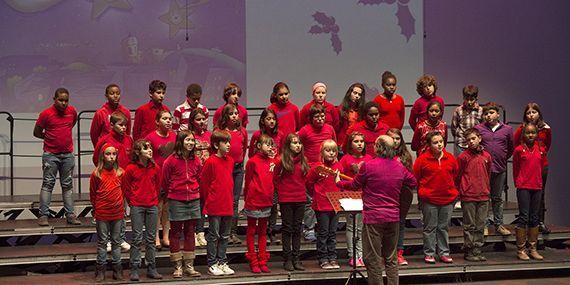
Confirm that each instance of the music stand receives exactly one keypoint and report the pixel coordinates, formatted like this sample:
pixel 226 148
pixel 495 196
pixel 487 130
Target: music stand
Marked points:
pixel 334 199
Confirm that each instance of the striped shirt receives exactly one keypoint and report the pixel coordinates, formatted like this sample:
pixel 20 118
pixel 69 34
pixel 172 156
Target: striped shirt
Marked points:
pixel 464 119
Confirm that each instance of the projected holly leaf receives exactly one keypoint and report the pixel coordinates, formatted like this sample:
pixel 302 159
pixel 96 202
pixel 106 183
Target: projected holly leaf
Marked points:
pixel 336 43
pixel 323 19
pixel 406 21
pixel 316 29
pixel 375 2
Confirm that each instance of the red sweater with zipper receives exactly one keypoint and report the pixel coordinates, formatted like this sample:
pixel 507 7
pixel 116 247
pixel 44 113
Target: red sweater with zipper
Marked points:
pixel 474 175
pixel 216 186
pixel 320 184
pixel 258 191
pixel 106 196
pixel 436 178
pixel 290 187
pixel 123 144
pixel 180 178
pixel 141 184
pixel 527 166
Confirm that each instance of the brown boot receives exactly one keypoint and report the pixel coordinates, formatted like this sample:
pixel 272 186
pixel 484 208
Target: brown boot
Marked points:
pixel 176 259
pixel 189 264
pixel 521 243
pixel 533 241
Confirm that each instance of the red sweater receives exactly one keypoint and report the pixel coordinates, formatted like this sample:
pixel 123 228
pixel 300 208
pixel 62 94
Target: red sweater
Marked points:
pixel 474 175
pixel 319 185
pixel 106 196
pixel 423 128
pixel 287 117
pixel 278 139
pixel 258 191
pixel 392 112
pixel 238 144
pixel 180 178
pixel 216 186
pixel 370 135
pixel 123 144
pixel 162 147
pixel 145 119
pixel 331 114
pixel 57 128
pixel 544 139
pixel 141 185
pixel 101 123
pixel 350 119
pixel 436 178
pixel 419 110
pixel 242 114
pixel 347 162
pixel 290 187
pixel 527 167
pixel 312 138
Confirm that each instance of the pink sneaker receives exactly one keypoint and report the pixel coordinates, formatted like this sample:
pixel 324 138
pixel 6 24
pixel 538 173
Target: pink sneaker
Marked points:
pixel 446 259
pixel 351 262
pixel 429 259
pixel 360 263
pixel 401 260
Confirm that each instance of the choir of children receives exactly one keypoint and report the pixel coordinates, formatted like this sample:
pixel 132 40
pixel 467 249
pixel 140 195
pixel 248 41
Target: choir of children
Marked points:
pixel 179 172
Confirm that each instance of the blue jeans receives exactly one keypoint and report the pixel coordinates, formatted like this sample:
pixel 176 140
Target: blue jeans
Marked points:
pixel 237 174
pixel 147 217
pixel 436 223
pixel 498 181
pixel 529 207
pixel 327 224
pixel 51 165
pixel 218 236
pixel 109 230
pixel 349 232
pixel 309 219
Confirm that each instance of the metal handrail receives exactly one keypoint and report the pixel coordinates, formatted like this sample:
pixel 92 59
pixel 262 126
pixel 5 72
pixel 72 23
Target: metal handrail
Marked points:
pixel 10 153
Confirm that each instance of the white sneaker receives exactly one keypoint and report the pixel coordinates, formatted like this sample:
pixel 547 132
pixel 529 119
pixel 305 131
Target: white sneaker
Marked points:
pixel 215 270
pixel 457 205
pixel 201 239
pixel 109 248
pixel 226 269
pixel 125 246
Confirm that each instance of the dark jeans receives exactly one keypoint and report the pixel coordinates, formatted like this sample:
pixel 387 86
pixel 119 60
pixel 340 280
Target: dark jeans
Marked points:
pixel 498 181
pixel 401 233
pixel 218 236
pixel 51 165
pixel 379 243
pixel 309 219
pixel 108 230
pixel 147 217
pixel 292 219
pixel 529 206
pixel 474 216
pixel 238 185
pixel 272 226
pixel 327 224
pixel 200 222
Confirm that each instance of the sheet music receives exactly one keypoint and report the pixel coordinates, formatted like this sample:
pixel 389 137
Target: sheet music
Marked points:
pixel 349 204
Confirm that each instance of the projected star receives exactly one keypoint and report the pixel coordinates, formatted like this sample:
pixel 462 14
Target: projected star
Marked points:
pixel 175 18
pixel 100 6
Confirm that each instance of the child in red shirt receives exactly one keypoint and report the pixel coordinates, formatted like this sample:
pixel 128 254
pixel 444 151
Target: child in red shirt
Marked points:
pixel 107 199
pixel 350 165
pixel 349 110
pixel 528 159
pixel 162 141
pixel 318 184
pixel 232 94
pixel 258 195
pixel 286 112
pixel 320 99
pixel 392 107
pixel 54 126
pixel 100 123
pixel 181 115
pixel 370 126
pixel 474 188
pixel 180 180
pixel 216 192
pixel 118 138
pixel 141 187
pixel 314 134
pixel 426 87
pixel 289 181
pixel 145 115
pixel 434 123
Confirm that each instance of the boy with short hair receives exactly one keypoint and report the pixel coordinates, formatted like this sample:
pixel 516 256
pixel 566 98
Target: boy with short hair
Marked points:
pixel 497 139
pixel 232 94
pixel 118 139
pixel 474 188
pixel 182 112
pixel 216 192
pixel 466 116
pixel 54 126
pixel 145 114
pixel 426 86
pixel 100 123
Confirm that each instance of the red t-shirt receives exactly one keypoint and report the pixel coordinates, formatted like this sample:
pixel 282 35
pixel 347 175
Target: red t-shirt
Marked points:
pixel 312 138
pixel 287 117
pixel 57 128
pixel 370 135
pixel 145 119
pixel 392 112
pixel 101 123
pixel 162 147
pixel 216 186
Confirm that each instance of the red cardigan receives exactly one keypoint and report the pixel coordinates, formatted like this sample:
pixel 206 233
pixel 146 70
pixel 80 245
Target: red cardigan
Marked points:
pixel 474 175
pixel 319 185
pixel 527 167
pixel 290 187
pixel 216 186
pixel 436 178
pixel 180 178
pixel 123 144
pixel 258 191
pixel 141 185
pixel 106 196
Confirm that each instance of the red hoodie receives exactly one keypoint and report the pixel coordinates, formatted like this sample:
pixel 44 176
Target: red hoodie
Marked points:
pixel 216 186
pixel 141 185
pixel 106 196
pixel 290 187
pixel 258 191
pixel 180 178
pixel 527 167
pixel 436 178
pixel 474 175
pixel 122 143
pixel 319 185
pixel 287 117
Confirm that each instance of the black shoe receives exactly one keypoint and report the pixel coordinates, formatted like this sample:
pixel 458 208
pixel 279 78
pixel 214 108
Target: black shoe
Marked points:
pixel 135 273
pixel 118 272
pixel 152 273
pixel 100 273
pixel 288 265
pixel 298 265
pixel 543 228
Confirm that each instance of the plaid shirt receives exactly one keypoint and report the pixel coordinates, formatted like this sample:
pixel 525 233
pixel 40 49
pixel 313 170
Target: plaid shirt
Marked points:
pixel 464 119
pixel 180 118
